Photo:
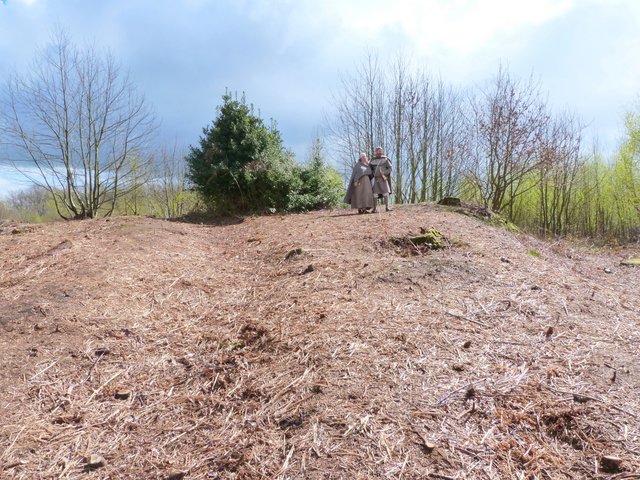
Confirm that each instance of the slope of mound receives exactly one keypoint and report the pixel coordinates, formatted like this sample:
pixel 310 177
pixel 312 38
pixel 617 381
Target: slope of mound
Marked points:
pixel 315 346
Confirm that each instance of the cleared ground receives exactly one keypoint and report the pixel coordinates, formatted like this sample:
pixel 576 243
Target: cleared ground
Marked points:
pixel 315 346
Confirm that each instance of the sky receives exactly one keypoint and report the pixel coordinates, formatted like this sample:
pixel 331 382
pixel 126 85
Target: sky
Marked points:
pixel 289 56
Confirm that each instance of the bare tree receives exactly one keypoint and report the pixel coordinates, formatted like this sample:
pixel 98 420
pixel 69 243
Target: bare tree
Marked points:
pixel 507 124
pixel 442 147
pixel 361 121
pixel 171 183
pixel 131 200
pixel 418 122
pixel 32 201
pixel 80 122
pixel 6 212
pixel 403 101
pixel 558 170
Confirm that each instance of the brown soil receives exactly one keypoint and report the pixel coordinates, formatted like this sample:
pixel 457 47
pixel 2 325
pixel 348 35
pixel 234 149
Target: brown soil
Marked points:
pixel 315 346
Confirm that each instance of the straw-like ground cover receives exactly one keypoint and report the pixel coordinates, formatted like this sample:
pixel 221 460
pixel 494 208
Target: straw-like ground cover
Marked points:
pixel 315 346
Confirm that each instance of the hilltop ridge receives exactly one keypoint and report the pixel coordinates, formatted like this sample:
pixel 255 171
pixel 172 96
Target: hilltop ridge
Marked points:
pixel 314 346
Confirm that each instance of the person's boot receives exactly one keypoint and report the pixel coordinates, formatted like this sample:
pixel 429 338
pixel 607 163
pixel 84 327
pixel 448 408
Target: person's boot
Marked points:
pixel 386 203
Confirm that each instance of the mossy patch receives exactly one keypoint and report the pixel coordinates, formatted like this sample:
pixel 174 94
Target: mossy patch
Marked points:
pixel 630 261
pixel 426 240
pixel 487 216
pixel 432 239
pixel 500 221
pixel 534 253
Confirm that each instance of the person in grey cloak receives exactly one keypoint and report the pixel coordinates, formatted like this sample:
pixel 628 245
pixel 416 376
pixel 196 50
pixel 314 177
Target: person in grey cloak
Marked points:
pixel 381 168
pixel 359 192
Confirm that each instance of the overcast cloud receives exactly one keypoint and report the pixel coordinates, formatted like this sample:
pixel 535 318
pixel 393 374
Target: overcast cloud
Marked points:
pixel 288 56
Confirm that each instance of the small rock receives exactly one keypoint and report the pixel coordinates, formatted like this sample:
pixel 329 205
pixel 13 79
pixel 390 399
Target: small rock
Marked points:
pixel 549 332
pixel 293 253
pixel 450 202
pixel 608 270
pixel 94 462
pixel 309 269
pixel 175 475
pixel 466 344
pixel 185 361
pixel 505 260
pixel 428 446
pixel 610 464
pixel 580 398
pixel 122 394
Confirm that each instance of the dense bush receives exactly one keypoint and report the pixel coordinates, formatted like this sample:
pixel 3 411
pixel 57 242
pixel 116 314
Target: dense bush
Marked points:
pixel 241 165
pixel 318 186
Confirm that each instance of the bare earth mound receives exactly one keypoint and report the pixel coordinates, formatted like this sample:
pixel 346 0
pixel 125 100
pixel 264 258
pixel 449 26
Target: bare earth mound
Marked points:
pixel 315 346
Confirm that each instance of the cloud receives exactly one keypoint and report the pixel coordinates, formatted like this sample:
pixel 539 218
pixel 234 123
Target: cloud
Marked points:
pixel 28 3
pixel 459 26
pixel 11 180
pixel 289 55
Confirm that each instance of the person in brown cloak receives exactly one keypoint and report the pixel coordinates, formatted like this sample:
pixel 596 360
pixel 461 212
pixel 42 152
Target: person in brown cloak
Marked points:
pixel 381 168
pixel 359 192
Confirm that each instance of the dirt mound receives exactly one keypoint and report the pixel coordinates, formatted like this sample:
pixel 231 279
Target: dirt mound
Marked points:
pixel 139 348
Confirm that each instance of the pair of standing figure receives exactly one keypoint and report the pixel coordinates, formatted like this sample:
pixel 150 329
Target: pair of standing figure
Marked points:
pixel 370 180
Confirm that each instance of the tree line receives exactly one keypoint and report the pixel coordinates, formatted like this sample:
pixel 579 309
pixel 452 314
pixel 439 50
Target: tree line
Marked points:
pixel 85 136
pixel 77 127
pixel 499 145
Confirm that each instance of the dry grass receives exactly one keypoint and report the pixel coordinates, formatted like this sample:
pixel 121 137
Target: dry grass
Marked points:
pixel 311 346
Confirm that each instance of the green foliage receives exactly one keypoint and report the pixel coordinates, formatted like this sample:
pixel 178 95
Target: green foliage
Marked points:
pixel 626 178
pixel 236 154
pixel 6 212
pixel 155 201
pixel 241 165
pixel 269 179
pixel 36 205
pixel 80 123
pixel 317 186
pixel 500 221
pixel 431 239
pixel 32 205
pixel 584 196
pixel 630 261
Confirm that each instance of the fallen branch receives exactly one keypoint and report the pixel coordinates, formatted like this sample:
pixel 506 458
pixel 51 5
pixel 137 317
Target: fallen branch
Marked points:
pixel 462 317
